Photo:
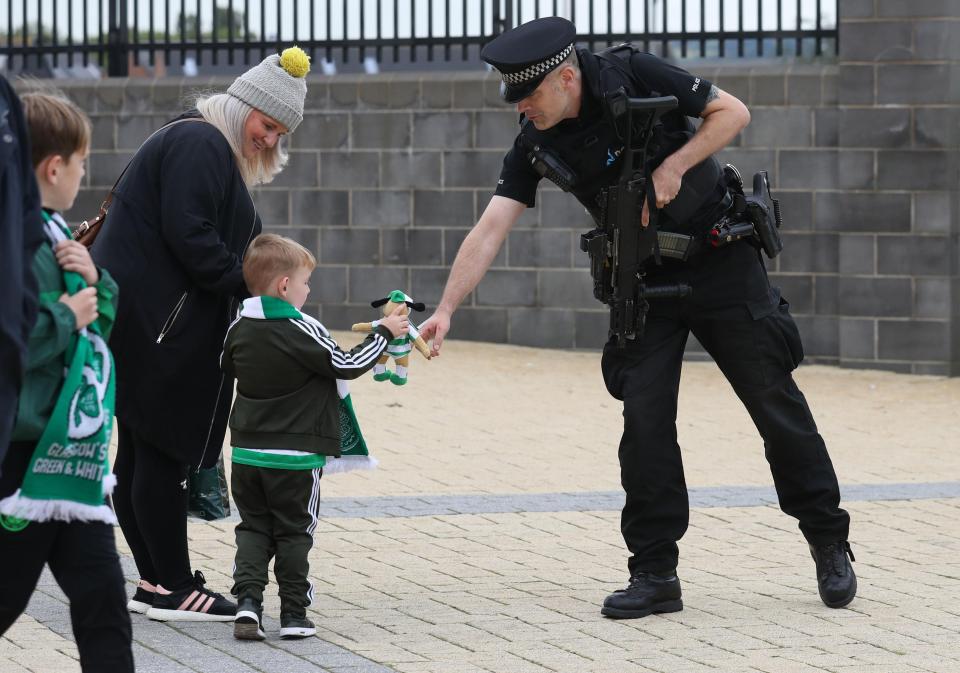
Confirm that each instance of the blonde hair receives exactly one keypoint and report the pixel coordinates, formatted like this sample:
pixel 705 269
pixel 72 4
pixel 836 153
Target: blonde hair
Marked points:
pixel 57 126
pixel 270 256
pixel 229 114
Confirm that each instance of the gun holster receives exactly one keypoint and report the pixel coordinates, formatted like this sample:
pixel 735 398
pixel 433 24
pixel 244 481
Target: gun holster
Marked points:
pixel 755 215
pixel 764 211
pixel 596 244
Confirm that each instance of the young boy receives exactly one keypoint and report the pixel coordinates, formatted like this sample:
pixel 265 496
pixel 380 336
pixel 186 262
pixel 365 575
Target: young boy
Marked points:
pixel 56 473
pixel 285 420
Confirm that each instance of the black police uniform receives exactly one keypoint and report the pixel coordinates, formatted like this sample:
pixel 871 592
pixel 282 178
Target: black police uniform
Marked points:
pixel 738 317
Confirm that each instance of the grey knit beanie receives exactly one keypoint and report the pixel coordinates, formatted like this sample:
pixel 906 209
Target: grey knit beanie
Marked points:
pixel 276 87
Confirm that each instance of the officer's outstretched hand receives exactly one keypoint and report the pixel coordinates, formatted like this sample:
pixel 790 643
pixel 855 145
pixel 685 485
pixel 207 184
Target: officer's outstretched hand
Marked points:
pixel 435 327
pixel 666 185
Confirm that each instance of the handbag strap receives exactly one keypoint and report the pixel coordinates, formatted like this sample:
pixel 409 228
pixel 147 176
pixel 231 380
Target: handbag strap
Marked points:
pixel 105 206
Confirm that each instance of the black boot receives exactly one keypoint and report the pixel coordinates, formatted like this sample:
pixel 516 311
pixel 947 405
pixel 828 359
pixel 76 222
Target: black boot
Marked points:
pixel 835 577
pixel 248 624
pixel 646 594
pixel 296 626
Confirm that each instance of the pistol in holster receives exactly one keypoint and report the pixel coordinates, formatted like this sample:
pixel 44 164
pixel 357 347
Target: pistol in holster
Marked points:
pixel 755 217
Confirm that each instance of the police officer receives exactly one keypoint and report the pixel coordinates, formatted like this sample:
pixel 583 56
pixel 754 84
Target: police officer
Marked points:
pixel 742 321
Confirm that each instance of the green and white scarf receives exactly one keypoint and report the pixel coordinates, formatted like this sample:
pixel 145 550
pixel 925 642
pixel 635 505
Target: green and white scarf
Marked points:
pixel 69 473
pixel 354 454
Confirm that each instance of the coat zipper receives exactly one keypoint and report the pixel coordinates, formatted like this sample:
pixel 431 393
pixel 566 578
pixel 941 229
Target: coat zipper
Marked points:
pixel 216 403
pixel 172 318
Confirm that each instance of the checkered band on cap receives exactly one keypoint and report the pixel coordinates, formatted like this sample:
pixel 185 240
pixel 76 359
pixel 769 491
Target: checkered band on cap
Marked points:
pixel 537 69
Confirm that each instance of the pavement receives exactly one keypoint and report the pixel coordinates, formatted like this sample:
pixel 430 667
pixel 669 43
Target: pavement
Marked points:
pixel 489 535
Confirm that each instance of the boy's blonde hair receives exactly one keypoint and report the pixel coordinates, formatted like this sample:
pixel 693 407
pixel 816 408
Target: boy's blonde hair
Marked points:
pixel 57 126
pixel 270 256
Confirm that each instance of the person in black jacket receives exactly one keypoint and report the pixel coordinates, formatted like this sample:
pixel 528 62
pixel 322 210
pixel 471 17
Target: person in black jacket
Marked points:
pixel 21 234
pixel 174 238
pixel 284 424
pixel 562 95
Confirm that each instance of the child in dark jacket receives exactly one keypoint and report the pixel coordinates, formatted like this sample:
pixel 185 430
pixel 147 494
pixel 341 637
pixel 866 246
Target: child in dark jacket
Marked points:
pixel 56 473
pixel 284 423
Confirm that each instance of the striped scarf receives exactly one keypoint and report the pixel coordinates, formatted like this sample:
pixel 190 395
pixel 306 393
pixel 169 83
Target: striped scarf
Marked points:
pixel 69 472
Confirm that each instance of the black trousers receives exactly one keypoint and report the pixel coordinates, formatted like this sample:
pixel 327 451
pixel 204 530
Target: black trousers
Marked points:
pixel 83 559
pixel 278 515
pixel 746 327
pixel 151 504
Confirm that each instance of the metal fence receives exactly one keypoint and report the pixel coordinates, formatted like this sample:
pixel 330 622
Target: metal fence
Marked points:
pixel 119 34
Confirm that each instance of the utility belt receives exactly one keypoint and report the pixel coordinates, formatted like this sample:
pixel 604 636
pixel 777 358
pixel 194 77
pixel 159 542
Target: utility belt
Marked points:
pixel 755 218
pixel 671 244
pixel 682 247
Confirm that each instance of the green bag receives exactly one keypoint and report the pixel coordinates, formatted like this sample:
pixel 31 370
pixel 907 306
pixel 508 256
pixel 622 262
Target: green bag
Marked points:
pixel 209 498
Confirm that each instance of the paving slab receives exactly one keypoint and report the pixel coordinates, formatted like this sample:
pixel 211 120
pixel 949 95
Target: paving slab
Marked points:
pixel 489 535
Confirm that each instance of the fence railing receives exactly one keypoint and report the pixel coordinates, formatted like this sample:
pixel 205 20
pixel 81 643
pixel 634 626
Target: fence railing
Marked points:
pixel 118 34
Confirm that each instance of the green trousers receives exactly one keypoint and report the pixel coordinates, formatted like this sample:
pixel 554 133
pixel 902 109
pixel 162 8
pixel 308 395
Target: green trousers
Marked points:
pixel 278 512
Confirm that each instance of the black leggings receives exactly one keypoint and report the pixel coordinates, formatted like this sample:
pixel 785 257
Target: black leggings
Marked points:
pixel 151 505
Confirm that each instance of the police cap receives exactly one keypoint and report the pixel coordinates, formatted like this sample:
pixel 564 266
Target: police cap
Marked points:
pixel 526 54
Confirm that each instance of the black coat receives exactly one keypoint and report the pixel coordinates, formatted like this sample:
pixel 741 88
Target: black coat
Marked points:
pixel 21 233
pixel 174 238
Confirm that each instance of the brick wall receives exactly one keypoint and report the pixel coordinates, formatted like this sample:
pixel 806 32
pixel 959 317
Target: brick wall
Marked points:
pixel 898 126
pixel 388 173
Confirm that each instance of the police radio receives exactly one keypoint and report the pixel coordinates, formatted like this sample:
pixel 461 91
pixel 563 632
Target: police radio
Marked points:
pixel 551 167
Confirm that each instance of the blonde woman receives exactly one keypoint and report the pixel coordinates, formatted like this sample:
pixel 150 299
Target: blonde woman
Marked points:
pixel 181 219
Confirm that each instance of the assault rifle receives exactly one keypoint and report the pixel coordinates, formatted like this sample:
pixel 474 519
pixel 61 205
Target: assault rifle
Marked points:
pixel 619 247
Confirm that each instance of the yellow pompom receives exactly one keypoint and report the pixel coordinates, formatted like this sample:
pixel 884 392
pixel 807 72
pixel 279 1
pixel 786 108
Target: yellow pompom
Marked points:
pixel 295 61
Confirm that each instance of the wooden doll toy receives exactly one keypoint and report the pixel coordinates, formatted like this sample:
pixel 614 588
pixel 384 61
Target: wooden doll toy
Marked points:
pixel 399 348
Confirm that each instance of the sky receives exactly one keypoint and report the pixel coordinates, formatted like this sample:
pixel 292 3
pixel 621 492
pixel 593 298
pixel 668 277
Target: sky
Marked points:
pixel 470 22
